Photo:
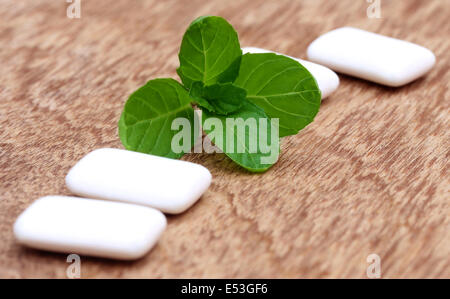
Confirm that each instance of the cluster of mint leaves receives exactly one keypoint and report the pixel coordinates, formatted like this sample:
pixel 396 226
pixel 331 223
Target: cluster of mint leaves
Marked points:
pixel 223 83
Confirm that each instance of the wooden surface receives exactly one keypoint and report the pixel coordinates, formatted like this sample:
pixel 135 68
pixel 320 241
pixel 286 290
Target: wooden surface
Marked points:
pixel 370 175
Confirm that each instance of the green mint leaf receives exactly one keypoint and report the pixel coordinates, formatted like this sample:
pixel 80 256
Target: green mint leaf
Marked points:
pixel 209 52
pixel 220 98
pixel 123 130
pixel 282 87
pixel 255 150
pixel 146 120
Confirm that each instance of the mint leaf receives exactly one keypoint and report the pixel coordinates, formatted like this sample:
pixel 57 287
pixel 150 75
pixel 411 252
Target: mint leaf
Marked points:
pixel 248 101
pixel 209 52
pixel 220 98
pixel 123 130
pixel 282 87
pixel 146 120
pixel 255 150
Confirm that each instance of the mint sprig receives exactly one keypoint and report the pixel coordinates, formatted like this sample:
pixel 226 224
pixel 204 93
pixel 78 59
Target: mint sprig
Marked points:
pixel 233 91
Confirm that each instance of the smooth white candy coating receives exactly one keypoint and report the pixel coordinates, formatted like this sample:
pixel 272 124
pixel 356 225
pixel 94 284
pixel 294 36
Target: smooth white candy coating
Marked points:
pixel 90 227
pixel 371 56
pixel 327 80
pixel 169 185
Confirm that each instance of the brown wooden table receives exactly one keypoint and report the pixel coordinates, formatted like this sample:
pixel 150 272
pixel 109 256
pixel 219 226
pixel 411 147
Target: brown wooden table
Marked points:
pixel 370 175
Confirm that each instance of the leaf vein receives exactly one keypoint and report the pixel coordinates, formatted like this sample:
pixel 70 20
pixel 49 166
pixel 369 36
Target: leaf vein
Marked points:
pixel 220 56
pixel 193 45
pixel 282 110
pixel 274 76
pixel 256 68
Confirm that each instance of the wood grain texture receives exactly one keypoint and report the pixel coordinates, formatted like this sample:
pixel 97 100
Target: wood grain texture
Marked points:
pixel 370 175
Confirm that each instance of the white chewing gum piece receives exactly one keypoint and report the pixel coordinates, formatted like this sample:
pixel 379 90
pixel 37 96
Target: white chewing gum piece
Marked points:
pixel 90 227
pixel 326 79
pixel 371 56
pixel 169 185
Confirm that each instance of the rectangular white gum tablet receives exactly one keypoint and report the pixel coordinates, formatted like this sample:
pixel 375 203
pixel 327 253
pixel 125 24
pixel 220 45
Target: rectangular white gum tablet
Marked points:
pixel 371 56
pixel 89 227
pixel 169 185
pixel 326 79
